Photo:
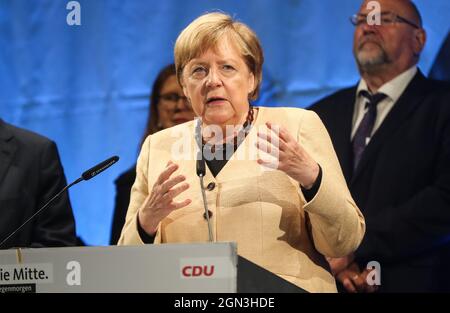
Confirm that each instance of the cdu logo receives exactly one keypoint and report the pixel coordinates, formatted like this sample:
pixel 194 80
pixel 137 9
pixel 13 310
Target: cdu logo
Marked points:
pixel 197 271
pixel 206 268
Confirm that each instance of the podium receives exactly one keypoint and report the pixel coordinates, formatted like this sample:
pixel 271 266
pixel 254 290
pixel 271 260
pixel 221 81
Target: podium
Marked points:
pixel 168 268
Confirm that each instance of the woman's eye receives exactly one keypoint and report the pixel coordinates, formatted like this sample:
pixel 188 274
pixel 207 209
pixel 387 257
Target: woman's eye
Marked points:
pixel 198 70
pixel 227 67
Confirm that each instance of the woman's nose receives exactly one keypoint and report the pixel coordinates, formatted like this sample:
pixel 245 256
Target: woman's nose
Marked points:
pixel 213 79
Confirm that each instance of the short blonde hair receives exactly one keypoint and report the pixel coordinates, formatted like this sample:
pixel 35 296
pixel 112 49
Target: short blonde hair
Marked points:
pixel 206 31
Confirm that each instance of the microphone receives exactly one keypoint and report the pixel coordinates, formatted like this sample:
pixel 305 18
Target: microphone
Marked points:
pixel 201 171
pixel 92 172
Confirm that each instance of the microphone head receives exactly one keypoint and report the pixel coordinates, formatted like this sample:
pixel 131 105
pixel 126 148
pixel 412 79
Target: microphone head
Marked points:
pixel 94 171
pixel 201 169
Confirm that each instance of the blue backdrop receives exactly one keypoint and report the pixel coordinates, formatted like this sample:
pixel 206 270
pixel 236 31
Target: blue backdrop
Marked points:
pixel 86 86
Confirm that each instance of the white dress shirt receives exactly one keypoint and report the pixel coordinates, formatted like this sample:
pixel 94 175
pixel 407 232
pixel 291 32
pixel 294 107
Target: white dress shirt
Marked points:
pixel 393 89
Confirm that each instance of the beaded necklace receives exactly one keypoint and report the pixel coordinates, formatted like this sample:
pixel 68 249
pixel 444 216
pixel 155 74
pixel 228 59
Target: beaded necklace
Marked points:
pixel 237 140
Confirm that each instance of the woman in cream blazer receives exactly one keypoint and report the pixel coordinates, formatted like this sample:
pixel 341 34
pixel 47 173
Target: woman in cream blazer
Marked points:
pixel 263 209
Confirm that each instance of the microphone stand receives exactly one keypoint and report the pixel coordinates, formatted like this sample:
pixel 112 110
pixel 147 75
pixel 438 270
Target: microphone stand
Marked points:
pixel 92 172
pixel 205 204
pixel 201 171
pixel 41 209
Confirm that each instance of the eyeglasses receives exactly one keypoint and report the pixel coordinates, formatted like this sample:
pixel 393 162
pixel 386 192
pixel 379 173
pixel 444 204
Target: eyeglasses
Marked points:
pixel 170 100
pixel 172 97
pixel 386 18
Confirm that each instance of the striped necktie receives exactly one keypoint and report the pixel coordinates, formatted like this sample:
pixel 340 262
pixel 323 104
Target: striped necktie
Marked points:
pixel 364 131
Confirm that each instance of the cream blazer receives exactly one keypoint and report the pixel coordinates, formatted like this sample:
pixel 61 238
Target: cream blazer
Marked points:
pixel 264 211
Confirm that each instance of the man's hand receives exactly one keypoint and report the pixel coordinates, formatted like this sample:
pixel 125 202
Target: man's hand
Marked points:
pixel 339 264
pixel 348 273
pixel 351 278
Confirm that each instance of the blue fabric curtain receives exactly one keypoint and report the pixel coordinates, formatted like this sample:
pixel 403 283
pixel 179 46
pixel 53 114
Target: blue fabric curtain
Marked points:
pixel 87 86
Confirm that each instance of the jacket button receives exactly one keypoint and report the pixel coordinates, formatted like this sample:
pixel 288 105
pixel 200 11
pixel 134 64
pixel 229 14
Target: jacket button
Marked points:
pixel 211 186
pixel 209 213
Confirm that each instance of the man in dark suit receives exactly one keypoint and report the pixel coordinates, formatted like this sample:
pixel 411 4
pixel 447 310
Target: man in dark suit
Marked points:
pixel 30 175
pixel 391 133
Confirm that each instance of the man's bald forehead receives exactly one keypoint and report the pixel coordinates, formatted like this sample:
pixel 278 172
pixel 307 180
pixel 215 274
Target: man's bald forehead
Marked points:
pixel 414 11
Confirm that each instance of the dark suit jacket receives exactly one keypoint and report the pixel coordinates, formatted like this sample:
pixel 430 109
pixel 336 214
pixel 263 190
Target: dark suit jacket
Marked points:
pixel 123 190
pixel 30 175
pixel 402 184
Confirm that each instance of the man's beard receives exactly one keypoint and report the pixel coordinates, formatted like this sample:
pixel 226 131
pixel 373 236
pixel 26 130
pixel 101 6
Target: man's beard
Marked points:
pixel 372 63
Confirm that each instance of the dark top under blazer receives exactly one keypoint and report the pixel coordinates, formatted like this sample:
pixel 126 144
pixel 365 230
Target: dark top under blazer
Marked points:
pixel 402 184
pixel 123 190
pixel 30 175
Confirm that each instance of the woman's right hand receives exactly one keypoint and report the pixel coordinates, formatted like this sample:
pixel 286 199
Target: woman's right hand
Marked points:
pixel 159 202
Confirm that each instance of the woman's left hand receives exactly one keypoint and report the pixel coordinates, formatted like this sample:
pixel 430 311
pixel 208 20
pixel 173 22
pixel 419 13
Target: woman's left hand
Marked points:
pixel 287 155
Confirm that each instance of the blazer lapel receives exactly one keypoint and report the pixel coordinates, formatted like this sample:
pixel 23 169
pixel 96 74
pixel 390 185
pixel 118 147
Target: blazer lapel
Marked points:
pixel 404 106
pixel 7 149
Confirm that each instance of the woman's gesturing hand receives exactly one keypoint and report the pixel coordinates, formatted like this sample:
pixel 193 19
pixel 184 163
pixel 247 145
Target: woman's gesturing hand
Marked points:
pixel 287 155
pixel 159 202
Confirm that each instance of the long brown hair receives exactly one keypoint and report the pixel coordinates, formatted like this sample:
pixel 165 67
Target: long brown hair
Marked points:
pixel 153 114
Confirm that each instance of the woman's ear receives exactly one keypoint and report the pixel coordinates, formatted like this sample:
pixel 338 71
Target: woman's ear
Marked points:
pixel 251 83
